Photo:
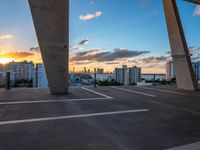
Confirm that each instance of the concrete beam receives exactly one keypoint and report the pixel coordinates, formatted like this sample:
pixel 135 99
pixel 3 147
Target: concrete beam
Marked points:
pixel 51 20
pixel 194 1
pixel 181 58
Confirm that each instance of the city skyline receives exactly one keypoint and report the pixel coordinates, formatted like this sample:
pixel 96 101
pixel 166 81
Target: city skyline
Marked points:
pixel 95 41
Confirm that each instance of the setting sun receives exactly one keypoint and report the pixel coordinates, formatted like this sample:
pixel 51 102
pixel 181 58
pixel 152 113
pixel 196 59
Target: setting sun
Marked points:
pixel 5 60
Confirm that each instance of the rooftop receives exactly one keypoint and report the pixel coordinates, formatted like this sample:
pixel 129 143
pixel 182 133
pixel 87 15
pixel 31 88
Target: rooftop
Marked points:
pixel 103 118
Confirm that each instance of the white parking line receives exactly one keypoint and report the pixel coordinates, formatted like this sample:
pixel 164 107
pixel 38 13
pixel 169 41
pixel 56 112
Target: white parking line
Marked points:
pixel 52 101
pixel 105 97
pixel 162 90
pixel 97 93
pixel 193 146
pixel 71 117
pixel 136 92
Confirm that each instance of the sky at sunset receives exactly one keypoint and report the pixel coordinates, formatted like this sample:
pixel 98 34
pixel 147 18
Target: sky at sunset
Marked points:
pixel 103 33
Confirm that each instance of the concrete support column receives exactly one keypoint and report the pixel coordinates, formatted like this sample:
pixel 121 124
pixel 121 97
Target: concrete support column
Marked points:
pixel 51 20
pixel 181 58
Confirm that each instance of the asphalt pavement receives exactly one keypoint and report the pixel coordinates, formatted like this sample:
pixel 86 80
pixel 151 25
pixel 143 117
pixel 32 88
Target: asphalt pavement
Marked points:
pixel 103 118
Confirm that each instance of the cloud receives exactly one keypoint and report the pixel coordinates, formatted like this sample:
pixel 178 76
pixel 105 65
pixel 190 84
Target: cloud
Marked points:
pixel 197 11
pixel 35 49
pixel 80 45
pixel 80 63
pixel 97 56
pixel 194 50
pixel 88 17
pixel 84 42
pixel 152 61
pixel 16 55
pixel 195 53
pixel 191 47
pixel 112 63
pixel 6 37
pixel 75 47
pixel 86 53
pixel 168 53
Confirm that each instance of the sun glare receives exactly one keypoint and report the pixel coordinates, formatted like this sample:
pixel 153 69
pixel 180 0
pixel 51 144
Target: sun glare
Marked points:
pixel 5 60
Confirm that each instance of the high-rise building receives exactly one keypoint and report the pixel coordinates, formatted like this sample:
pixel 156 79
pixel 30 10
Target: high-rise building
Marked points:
pixel 20 70
pixel 2 75
pixel 89 71
pixel 85 70
pixel 100 70
pixel 40 79
pixel 197 70
pixel 2 78
pixel 134 75
pixel 127 76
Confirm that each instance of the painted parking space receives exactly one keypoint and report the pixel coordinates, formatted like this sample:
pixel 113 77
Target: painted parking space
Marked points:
pixel 99 96
pixel 32 120
pixel 121 120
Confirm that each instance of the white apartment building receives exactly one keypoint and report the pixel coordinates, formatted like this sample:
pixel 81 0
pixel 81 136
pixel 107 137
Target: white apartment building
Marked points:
pixel 127 76
pixel 40 79
pixel 20 70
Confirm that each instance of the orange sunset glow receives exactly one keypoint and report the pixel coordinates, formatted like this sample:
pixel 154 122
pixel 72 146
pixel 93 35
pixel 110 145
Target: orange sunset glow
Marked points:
pixel 5 60
pixel 11 55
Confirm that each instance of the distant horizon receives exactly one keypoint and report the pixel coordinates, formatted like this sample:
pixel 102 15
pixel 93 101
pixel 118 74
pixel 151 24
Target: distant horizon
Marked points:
pixel 80 69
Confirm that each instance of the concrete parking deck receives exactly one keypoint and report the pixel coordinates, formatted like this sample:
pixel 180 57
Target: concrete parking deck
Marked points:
pixel 103 118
